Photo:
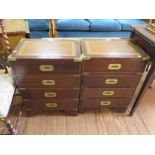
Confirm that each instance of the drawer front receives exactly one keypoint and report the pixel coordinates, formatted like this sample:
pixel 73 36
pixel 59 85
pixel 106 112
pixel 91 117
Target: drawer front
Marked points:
pixel 107 93
pixel 48 81
pixel 111 80
pixel 46 67
pixel 55 104
pixel 96 103
pixel 113 65
pixel 49 93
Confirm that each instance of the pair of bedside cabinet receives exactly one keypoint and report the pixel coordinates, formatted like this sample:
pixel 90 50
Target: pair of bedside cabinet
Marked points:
pixel 74 75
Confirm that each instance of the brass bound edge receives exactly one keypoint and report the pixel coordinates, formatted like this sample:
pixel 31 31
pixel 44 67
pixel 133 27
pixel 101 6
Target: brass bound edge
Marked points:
pixel 81 58
pixel 21 88
pixel 86 57
pixel 85 73
pixel 11 58
pixel 146 58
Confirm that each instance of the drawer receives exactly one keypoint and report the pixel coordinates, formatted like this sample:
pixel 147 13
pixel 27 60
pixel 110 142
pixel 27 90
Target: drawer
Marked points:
pixel 116 65
pixel 49 93
pixel 96 103
pixel 55 104
pixel 46 67
pixel 111 80
pixel 48 81
pixel 107 92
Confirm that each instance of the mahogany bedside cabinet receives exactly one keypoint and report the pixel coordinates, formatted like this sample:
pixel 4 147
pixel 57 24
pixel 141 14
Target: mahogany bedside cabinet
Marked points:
pixel 144 38
pixel 47 74
pixel 112 73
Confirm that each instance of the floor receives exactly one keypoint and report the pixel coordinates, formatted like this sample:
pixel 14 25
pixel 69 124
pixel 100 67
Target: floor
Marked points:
pixel 92 122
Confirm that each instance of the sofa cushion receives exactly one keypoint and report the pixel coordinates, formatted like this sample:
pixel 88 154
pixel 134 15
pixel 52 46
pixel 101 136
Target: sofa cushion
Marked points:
pixel 72 24
pixel 39 34
pixel 104 25
pixel 38 24
pixel 7 89
pixel 90 34
pixel 126 23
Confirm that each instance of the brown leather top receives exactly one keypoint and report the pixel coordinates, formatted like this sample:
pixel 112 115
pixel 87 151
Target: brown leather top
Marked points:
pixel 44 48
pixel 145 32
pixel 111 48
pixel 15 25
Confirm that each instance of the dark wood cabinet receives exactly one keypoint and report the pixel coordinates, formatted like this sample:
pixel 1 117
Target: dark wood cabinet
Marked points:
pixel 145 39
pixel 72 75
pixel 47 74
pixel 112 73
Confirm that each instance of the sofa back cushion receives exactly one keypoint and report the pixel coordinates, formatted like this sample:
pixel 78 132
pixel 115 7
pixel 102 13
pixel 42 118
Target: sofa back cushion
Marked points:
pixel 126 23
pixel 39 34
pixel 38 24
pixel 72 25
pixel 110 25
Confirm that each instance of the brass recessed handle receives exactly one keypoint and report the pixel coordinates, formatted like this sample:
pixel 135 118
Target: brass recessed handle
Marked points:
pixel 108 93
pixel 111 81
pixel 51 105
pixel 48 82
pixel 104 103
pixel 49 94
pixel 46 68
pixel 114 66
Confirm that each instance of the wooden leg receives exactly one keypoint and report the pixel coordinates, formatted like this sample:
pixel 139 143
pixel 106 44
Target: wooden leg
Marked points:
pixel 72 112
pixel 120 109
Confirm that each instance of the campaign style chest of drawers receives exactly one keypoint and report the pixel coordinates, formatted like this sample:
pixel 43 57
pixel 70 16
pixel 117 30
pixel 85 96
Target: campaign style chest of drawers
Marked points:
pixel 73 75
pixel 47 75
pixel 144 38
pixel 111 73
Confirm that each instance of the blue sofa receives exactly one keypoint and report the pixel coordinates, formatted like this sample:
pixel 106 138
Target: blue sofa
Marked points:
pixel 95 27
pixel 39 28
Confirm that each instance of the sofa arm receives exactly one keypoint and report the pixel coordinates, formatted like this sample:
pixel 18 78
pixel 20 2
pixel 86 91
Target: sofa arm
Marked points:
pixel 52 28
